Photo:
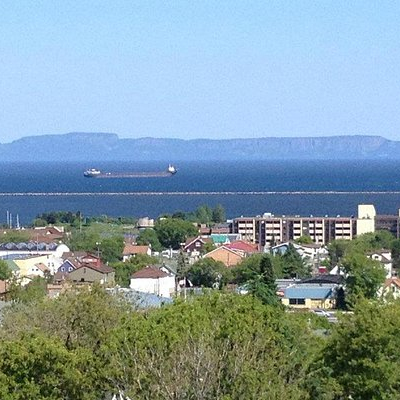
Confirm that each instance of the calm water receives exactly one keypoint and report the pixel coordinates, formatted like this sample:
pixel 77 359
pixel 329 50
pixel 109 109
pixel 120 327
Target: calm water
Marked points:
pixel 242 188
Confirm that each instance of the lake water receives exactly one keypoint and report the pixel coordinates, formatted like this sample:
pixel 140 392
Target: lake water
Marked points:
pixel 243 188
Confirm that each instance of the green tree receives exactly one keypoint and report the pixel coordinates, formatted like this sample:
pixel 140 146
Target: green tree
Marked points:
pixel 172 232
pixel 293 264
pixel 372 241
pixel 263 286
pixel 395 249
pixel 248 269
pixel 179 215
pixel 111 248
pixel 77 326
pixel 80 319
pixel 149 236
pixel 363 277
pixel 239 349
pixel 14 236
pixel 208 273
pixel 207 247
pixel 204 214
pixel 182 265
pixel 37 367
pixel 337 249
pixel 361 357
pixel 305 239
pixel 5 272
pixel 39 222
pixel 34 291
pixel 218 214
pixel 84 240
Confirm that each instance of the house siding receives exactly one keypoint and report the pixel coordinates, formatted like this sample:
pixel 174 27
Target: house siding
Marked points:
pixel 88 275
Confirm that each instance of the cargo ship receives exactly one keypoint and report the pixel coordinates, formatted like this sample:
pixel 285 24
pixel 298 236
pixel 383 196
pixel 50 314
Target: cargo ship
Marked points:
pixel 96 173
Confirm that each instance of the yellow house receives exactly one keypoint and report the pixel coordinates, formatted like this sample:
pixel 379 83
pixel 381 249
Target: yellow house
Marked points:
pixel 310 296
pixel 28 264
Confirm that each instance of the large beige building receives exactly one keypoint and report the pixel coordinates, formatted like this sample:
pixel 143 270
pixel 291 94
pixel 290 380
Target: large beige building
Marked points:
pixel 270 229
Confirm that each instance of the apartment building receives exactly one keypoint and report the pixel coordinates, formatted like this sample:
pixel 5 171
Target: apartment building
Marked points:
pixel 269 229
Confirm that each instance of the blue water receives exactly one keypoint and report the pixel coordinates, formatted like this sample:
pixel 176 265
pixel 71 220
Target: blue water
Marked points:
pixel 29 189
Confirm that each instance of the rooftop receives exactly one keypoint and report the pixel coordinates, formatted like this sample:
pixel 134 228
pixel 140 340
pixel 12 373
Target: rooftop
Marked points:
pixel 149 272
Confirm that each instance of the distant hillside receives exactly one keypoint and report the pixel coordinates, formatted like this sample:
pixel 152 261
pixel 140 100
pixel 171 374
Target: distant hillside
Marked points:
pixel 108 147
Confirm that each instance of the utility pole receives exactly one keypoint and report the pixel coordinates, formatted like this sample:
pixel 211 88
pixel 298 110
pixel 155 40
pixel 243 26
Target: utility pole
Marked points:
pixel 98 249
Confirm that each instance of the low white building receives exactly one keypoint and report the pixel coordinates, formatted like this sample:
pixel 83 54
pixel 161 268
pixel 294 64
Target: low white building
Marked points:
pixel 153 280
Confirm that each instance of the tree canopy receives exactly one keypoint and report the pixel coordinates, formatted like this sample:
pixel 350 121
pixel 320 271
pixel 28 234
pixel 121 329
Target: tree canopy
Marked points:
pixel 208 273
pixel 89 344
pixel 149 236
pixel 364 277
pixel 171 232
pixel 361 357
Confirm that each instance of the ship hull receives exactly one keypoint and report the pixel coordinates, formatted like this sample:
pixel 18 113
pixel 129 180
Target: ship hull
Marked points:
pixel 111 175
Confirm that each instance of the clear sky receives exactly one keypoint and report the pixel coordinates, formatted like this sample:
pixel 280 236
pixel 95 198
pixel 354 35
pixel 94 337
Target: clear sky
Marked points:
pixel 200 68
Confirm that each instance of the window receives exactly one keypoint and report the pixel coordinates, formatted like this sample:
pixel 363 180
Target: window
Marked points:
pixel 62 269
pixel 198 244
pixel 297 301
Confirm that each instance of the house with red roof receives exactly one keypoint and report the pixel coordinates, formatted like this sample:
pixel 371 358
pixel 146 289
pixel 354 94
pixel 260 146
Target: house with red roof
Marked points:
pixel 152 279
pixel 131 250
pixel 243 247
pixel 84 268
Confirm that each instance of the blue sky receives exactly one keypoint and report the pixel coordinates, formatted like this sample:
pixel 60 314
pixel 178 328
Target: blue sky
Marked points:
pixel 200 68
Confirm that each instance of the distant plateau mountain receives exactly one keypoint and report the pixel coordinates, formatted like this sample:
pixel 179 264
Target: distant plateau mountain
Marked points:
pixel 78 146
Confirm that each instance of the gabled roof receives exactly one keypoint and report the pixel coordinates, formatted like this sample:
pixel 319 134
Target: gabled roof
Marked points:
pixel 42 267
pixel 135 249
pixel 317 292
pixel 194 239
pixel 60 276
pixel 149 272
pixel 73 254
pixel 73 262
pixel 89 255
pixel 223 248
pixel 241 245
pixel 392 281
pixel 383 258
pixel 104 269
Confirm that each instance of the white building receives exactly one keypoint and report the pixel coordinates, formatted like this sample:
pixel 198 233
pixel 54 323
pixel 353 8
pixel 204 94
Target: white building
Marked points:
pixel 153 280
pixel 366 219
